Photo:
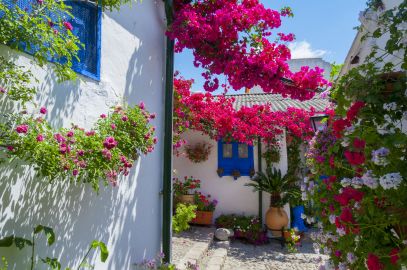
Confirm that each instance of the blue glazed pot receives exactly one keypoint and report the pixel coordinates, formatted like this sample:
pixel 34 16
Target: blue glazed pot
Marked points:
pixel 297 221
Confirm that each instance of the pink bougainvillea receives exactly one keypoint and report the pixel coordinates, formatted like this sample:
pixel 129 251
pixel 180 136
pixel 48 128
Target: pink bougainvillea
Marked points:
pixel 233 38
pixel 216 116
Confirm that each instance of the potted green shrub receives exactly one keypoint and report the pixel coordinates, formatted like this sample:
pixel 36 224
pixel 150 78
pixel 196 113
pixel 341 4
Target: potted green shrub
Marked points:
pixel 281 190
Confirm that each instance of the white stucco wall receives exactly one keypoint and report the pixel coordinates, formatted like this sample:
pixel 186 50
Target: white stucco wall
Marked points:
pixel 233 196
pixel 363 48
pixel 127 218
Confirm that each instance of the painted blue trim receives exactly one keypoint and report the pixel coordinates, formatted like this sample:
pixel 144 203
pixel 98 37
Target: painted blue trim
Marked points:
pixel 98 39
pixel 243 165
pixel 79 69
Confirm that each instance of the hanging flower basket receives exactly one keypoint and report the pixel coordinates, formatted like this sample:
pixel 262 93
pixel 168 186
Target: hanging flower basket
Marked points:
pixel 199 152
pixel 272 155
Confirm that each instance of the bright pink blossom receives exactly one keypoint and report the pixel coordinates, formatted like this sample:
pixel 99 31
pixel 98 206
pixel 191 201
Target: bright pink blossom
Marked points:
pixel 40 138
pixel 63 148
pixel 59 138
pixel 68 26
pixel 110 143
pixel 22 129
pixel 43 110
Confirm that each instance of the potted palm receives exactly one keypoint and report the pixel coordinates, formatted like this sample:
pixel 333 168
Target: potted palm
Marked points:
pixel 281 190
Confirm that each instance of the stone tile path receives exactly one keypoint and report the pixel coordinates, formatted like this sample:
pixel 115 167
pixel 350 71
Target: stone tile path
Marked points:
pixel 194 244
pixel 191 245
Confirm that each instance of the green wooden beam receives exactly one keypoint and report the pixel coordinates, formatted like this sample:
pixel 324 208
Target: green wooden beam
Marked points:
pixel 167 170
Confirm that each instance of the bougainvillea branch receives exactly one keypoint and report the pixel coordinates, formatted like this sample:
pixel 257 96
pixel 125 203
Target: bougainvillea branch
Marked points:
pixel 232 38
pixel 216 117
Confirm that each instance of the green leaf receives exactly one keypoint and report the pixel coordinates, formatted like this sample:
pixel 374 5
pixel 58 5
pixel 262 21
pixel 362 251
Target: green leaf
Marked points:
pixel 104 253
pixel 7 241
pixel 22 242
pixel 18 241
pixel 53 263
pixel 48 232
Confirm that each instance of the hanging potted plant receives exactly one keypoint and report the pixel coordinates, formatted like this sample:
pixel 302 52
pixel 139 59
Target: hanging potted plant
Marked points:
pixel 272 154
pixel 281 190
pixel 205 208
pixel 198 152
pixel 184 190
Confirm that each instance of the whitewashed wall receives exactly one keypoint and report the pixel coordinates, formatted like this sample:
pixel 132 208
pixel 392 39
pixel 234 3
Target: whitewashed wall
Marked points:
pixel 233 196
pixel 127 218
pixel 363 48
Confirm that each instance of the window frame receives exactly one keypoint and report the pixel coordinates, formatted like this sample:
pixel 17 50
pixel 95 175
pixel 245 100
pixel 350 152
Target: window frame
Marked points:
pixel 83 72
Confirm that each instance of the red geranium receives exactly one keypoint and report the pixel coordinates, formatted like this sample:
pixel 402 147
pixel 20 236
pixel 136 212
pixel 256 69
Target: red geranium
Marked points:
pixel 355 158
pixel 373 262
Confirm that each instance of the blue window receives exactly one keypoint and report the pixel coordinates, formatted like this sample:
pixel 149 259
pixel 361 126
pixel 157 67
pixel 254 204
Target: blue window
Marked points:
pixel 86 22
pixel 235 157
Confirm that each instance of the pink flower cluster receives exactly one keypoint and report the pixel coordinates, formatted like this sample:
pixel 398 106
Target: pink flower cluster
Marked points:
pixel 113 146
pixel 216 31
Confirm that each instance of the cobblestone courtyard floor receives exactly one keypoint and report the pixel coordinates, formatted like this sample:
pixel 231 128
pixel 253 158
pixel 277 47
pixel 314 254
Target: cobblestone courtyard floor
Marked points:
pixel 241 256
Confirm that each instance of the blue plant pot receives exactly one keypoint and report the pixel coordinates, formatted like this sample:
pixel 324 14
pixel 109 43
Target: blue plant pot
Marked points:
pixel 297 221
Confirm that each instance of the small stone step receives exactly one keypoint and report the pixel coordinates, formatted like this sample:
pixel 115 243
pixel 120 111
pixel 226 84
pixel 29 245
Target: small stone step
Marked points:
pixel 194 255
pixel 217 257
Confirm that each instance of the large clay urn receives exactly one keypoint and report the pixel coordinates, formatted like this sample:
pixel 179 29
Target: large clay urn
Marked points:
pixel 276 220
pixel 276 217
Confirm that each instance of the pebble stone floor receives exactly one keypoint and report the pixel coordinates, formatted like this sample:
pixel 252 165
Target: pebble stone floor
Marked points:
pixel 243 256
pixel 272 257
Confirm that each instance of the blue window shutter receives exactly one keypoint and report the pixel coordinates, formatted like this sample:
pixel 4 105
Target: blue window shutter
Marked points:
pixel 87 25
pixel 226 164
pixel 243 165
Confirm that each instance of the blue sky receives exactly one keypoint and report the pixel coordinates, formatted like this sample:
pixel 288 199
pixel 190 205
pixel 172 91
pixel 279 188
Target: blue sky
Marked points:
pixel 322 28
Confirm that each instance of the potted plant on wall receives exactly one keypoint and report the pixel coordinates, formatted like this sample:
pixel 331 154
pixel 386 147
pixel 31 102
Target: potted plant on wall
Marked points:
pixel 205 208
pixel 198 152
pixel 272 154
pixel 281 190
pixel 184 190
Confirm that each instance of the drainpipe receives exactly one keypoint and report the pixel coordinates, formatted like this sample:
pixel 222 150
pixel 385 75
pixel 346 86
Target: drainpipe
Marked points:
pixel 167 169
pixel 260 169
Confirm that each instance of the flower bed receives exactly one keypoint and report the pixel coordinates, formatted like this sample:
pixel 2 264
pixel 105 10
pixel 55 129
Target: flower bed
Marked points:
pixel 247 228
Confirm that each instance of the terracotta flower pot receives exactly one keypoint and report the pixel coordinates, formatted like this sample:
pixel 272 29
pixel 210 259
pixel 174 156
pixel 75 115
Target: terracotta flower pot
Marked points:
pixel 276 219
pixel 186 199
pixel 203 218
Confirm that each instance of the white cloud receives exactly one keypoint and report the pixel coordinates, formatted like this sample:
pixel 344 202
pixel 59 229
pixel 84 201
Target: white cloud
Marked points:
pixel 303 49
